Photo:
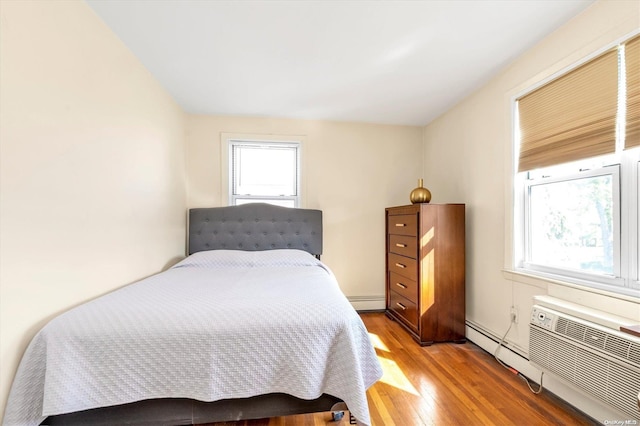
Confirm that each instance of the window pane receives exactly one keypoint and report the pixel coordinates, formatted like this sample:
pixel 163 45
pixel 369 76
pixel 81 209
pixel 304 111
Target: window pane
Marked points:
pixel 264 170
pixel 282 203
pixel 571 224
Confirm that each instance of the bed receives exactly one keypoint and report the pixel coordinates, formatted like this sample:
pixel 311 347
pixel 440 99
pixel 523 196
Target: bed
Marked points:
pixel 250 325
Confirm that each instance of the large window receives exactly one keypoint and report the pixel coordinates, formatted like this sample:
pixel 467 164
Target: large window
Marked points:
pixel 264 171
pixel 578 176
pixel 573 222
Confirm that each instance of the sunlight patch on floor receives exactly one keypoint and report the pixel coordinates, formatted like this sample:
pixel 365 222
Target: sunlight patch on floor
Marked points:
pixel 394 376
pixel 377 342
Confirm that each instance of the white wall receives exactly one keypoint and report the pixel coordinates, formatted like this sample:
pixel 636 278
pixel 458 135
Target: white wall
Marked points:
pixel 468 155
pixel 92 168
pixel 351 171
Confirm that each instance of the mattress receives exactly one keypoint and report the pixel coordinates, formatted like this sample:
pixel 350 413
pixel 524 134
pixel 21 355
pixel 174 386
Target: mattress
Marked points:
pixel 220 324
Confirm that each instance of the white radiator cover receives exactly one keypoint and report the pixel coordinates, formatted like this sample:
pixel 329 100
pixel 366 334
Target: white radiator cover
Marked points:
pixel 601 362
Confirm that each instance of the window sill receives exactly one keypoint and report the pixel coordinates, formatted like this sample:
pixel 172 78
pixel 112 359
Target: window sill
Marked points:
pixel 543 281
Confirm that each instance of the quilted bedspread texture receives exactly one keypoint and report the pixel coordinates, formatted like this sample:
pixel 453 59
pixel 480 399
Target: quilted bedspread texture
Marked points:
pixel 217 325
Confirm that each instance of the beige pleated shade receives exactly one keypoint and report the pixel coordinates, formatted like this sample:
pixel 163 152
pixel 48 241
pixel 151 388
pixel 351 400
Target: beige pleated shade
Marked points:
pixel 572 117
pixel 632 59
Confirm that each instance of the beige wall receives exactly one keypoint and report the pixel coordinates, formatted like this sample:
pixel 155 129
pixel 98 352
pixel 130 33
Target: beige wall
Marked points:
pixel 350 171
pixel 468 155
pixel 93 187
pixel 92 168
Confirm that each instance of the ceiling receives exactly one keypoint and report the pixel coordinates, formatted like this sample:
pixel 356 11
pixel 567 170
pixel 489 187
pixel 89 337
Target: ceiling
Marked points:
pixel 393 62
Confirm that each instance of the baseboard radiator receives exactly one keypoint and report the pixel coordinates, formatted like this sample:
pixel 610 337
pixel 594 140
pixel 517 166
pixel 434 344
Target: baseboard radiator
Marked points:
pixel 602 362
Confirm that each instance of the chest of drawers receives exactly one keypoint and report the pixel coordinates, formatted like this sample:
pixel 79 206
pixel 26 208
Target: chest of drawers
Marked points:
pixel 425 257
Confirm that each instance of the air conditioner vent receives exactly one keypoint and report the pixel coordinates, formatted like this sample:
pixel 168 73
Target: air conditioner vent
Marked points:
pixel 594 337
pixel 617 346
pixel 634 353
pixel 574 330
pixel 627 394
pixel 607 342
pixel 602 364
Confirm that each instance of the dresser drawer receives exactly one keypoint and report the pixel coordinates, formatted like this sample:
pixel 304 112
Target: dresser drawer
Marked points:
pixel 404 286
pixel 404 308
pixel 405 245
pixel 403 224
pixel 404 266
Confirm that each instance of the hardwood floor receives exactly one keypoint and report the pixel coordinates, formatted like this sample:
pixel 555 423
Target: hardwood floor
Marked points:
pixel 442 384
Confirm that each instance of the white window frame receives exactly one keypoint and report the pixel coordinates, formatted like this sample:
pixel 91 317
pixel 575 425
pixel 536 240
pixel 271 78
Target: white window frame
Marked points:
pixel 625 169
pixel 579 276
pixel 227 167
pixel 634 235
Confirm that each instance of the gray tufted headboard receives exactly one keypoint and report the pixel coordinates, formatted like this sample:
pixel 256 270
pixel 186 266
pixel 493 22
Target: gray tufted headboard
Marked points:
pixel 255 226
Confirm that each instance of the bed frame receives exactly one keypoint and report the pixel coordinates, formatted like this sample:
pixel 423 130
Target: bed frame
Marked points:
pixel 250 227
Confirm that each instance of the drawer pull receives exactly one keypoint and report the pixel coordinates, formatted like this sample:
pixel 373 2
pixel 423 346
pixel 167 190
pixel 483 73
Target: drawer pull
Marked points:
pixel 400 225
pixel 401 285
pixel 400 265
pixel 401 245
pixel 401 306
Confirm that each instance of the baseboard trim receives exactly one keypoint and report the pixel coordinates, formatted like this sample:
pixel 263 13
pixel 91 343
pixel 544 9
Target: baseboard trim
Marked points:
pixel 367 303
pixel 489 342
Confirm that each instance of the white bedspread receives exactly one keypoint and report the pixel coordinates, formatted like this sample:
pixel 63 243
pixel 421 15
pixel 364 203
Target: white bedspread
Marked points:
pixel 217 325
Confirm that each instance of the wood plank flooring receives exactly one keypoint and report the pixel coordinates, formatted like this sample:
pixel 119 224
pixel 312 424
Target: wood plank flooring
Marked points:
pixel 442 384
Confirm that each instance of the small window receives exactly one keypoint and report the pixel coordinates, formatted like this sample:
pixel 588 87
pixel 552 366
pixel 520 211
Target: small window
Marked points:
pixel 264 171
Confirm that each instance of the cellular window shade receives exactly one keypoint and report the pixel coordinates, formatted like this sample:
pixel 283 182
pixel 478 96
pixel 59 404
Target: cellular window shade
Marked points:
pixel 632 59
pixel 572 117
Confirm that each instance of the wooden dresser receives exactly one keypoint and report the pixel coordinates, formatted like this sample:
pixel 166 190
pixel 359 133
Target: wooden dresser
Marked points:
pixel 426 270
